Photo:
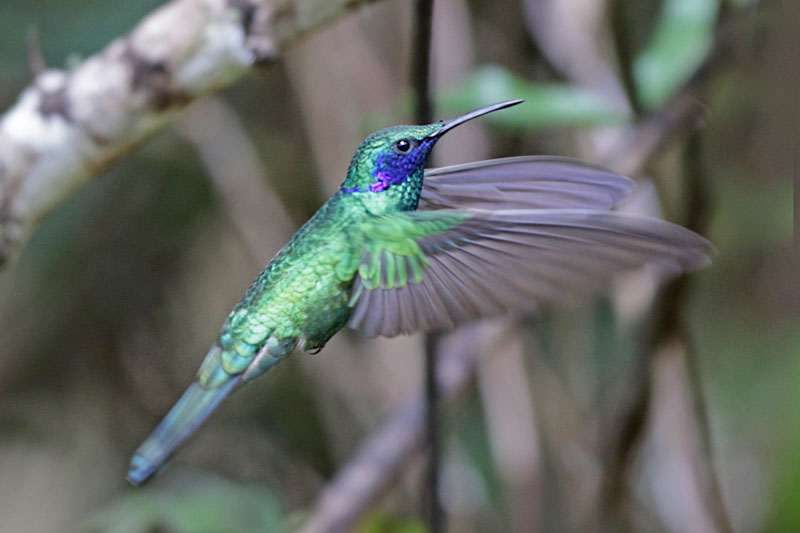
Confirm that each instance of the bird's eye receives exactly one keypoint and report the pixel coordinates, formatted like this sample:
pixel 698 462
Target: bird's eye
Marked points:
pixel 403 145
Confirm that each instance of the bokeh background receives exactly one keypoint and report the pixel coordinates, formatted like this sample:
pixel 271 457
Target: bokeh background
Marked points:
pixel 114 301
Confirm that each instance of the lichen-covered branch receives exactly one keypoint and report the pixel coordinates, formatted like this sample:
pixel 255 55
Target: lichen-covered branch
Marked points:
pixel 68 126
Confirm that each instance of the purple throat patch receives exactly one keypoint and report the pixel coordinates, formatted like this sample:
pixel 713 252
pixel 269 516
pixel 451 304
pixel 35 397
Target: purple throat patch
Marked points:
pixel 381 184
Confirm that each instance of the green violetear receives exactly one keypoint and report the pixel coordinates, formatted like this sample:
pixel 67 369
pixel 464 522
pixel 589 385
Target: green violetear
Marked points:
pixel 399 249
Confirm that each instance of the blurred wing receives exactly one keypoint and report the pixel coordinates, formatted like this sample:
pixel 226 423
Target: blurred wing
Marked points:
pixel 528 182
pixel 471 264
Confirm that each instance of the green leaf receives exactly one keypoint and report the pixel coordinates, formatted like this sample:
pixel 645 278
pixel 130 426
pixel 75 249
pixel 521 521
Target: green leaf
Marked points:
pixel 681 39
pixel 547 105
pixel 203 504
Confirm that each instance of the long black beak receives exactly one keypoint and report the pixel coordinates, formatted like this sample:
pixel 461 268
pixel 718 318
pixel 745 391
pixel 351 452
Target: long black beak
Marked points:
pixel 452 123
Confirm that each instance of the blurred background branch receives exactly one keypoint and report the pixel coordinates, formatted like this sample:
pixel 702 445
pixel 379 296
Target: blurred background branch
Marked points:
pixel 382 458
pixel 423 114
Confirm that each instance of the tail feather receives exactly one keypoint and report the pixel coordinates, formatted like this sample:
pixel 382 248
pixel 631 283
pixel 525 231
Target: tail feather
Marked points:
pixel 221 373
pixel 184 418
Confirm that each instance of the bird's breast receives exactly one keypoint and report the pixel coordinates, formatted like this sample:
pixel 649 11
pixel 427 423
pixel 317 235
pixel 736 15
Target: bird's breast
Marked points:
pixel 304 295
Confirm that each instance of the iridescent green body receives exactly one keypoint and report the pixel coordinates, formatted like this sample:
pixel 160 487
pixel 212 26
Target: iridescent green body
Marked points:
pixel 301 294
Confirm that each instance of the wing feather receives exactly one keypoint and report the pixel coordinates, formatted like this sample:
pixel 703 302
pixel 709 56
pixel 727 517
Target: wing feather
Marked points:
pixel 488 262
pixel 528 182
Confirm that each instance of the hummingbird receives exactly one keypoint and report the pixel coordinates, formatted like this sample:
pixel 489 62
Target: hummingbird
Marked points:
pixel 399 249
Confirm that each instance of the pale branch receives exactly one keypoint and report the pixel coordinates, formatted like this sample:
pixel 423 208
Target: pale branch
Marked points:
pixel 70 125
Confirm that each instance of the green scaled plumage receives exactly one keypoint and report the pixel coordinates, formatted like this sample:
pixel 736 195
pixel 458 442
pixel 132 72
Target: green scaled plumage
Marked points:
pixel 398 250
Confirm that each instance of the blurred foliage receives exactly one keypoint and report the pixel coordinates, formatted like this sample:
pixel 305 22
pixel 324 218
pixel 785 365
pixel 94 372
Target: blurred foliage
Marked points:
pixel 547 105
pixel 680 40
pixel 209 504
pixel 67 28
pixel 121 289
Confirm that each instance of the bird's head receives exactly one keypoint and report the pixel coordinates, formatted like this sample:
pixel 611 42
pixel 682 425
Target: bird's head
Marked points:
pixel 386 170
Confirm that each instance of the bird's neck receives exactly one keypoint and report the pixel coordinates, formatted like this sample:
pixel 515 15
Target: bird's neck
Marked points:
pixel 402 196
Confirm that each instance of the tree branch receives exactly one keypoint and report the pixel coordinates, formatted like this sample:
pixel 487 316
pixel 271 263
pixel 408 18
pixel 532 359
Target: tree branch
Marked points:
pixel 69 126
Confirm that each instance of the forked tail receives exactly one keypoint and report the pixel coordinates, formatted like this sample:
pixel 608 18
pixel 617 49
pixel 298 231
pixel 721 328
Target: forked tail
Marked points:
pixel 183 419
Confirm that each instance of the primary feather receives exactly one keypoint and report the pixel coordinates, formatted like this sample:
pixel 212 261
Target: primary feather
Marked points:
pixel 525 182
pixel 489 262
